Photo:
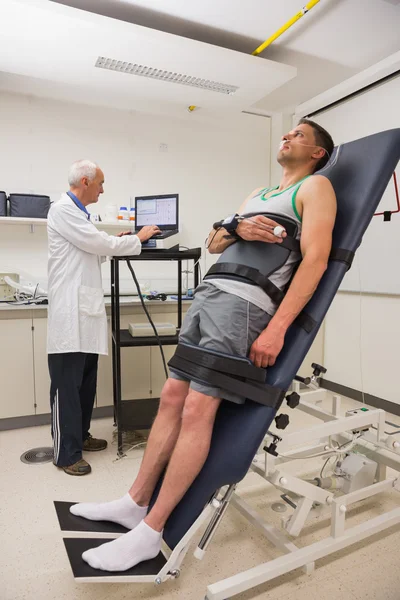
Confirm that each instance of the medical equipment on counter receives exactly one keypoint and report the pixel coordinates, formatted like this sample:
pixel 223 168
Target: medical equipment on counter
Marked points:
pixel 25 292
pixel 156 296
pixel 146 330
pixel 6 290
pixel 123 214
pixel 95 218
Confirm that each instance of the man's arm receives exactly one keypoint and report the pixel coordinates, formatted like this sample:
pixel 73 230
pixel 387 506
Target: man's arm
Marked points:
pixel 254 230
pixel 80 232
pixel 318 202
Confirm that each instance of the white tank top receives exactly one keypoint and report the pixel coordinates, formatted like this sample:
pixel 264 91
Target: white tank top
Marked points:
pixel 281 203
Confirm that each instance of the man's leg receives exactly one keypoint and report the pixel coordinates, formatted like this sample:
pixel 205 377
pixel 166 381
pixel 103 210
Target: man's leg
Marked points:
pixel 162 440
pixel 88 395
pixel 66 371
pixel 88 392
pixel 188 457
pixel 132 508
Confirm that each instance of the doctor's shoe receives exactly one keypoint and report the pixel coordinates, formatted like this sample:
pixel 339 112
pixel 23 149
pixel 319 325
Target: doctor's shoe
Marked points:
pixel 79 468
pixel 92 444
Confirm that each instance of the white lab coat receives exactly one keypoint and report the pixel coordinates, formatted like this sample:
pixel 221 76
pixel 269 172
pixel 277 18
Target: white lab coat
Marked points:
pixel 76 314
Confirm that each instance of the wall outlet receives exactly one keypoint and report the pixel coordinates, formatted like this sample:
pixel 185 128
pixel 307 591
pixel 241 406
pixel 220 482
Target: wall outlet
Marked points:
pixel 163 147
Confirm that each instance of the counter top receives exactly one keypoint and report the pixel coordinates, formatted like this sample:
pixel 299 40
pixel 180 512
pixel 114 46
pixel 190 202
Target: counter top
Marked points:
pixel 125 301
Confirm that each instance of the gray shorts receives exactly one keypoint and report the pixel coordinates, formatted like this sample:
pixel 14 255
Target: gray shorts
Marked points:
pixel 224 323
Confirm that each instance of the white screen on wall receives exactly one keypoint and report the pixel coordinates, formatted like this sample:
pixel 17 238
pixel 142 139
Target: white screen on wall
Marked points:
pixel 375 268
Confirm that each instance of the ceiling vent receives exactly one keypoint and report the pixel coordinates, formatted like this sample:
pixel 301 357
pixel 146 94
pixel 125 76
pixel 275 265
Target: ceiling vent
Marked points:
pixel 161 75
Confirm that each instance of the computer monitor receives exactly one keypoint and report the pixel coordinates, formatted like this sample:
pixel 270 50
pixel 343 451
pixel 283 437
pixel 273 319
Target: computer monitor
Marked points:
pixel 157 210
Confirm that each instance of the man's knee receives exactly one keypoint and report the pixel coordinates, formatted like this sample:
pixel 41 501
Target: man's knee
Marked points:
pixel 173 395
pixel 199 408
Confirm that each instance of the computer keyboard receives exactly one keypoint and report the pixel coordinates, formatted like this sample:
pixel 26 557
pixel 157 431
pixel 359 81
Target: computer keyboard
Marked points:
pixel 165 233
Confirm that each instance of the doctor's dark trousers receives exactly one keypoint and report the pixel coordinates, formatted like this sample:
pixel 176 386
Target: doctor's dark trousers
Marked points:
pixel 73 389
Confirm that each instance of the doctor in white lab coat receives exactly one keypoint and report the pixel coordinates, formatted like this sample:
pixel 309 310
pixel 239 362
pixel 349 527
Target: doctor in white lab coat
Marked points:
pixel 77 324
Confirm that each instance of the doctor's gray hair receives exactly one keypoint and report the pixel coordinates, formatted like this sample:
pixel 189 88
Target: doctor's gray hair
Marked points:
pixel 79 169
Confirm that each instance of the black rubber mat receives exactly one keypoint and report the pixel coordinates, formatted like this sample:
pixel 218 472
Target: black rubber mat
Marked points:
pixel 76 546
pixel 70 522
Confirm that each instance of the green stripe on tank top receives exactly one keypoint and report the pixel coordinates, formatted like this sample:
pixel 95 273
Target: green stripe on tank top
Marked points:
pixel 294 199
pixel 279 193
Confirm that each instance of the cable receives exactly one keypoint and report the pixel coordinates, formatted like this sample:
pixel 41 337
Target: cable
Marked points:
pixel 396 190
pixel 350 444
pixel 360 338
pixel 24 300
pixel 325 464
pixel 293 457
pixel 197 263
pixel 338 450
pixel 148 316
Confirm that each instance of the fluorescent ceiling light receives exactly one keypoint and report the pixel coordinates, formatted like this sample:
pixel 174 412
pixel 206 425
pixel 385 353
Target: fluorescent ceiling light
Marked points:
pixel 161 75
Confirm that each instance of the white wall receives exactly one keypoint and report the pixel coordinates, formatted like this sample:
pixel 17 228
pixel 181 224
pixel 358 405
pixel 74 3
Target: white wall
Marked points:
pixel 361 329
pixel 212 166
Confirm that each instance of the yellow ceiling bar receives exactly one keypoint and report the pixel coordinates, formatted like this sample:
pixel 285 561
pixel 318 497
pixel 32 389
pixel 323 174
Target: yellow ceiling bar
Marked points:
pixel 285 27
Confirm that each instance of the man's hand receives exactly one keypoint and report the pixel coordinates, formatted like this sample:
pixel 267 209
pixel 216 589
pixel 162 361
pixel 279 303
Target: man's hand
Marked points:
pixel 266 347
pixel 147 232
pixel 259 229
pixel 122 233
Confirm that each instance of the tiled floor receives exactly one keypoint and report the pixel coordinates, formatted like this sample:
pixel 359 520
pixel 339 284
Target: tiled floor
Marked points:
pixel 34 565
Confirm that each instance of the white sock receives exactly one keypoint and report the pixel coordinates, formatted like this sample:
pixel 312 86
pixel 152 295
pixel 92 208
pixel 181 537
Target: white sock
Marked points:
pixel 143 543
pixel 124 511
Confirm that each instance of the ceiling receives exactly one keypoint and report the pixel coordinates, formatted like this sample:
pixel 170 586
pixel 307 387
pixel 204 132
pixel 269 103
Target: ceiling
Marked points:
pixel 335 40
pixel 54 49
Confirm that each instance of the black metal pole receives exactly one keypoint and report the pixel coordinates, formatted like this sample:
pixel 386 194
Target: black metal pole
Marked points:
pixel 196 271
pixel 113 342
pixel 118 357
pixel 179 293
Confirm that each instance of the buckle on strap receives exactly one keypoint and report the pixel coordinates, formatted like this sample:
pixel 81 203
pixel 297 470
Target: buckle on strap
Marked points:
pixel 229 365
pixel 251 274
pixel 266 395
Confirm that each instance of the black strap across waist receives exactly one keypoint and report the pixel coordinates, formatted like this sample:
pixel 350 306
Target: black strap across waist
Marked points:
pixel 303 320
pixel 251 274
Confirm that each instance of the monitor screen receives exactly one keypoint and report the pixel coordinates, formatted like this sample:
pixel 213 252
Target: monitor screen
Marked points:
pixel 157 210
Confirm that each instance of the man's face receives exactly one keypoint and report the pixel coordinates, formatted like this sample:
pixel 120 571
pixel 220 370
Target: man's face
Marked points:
pixel 95 187
pixel 299 146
